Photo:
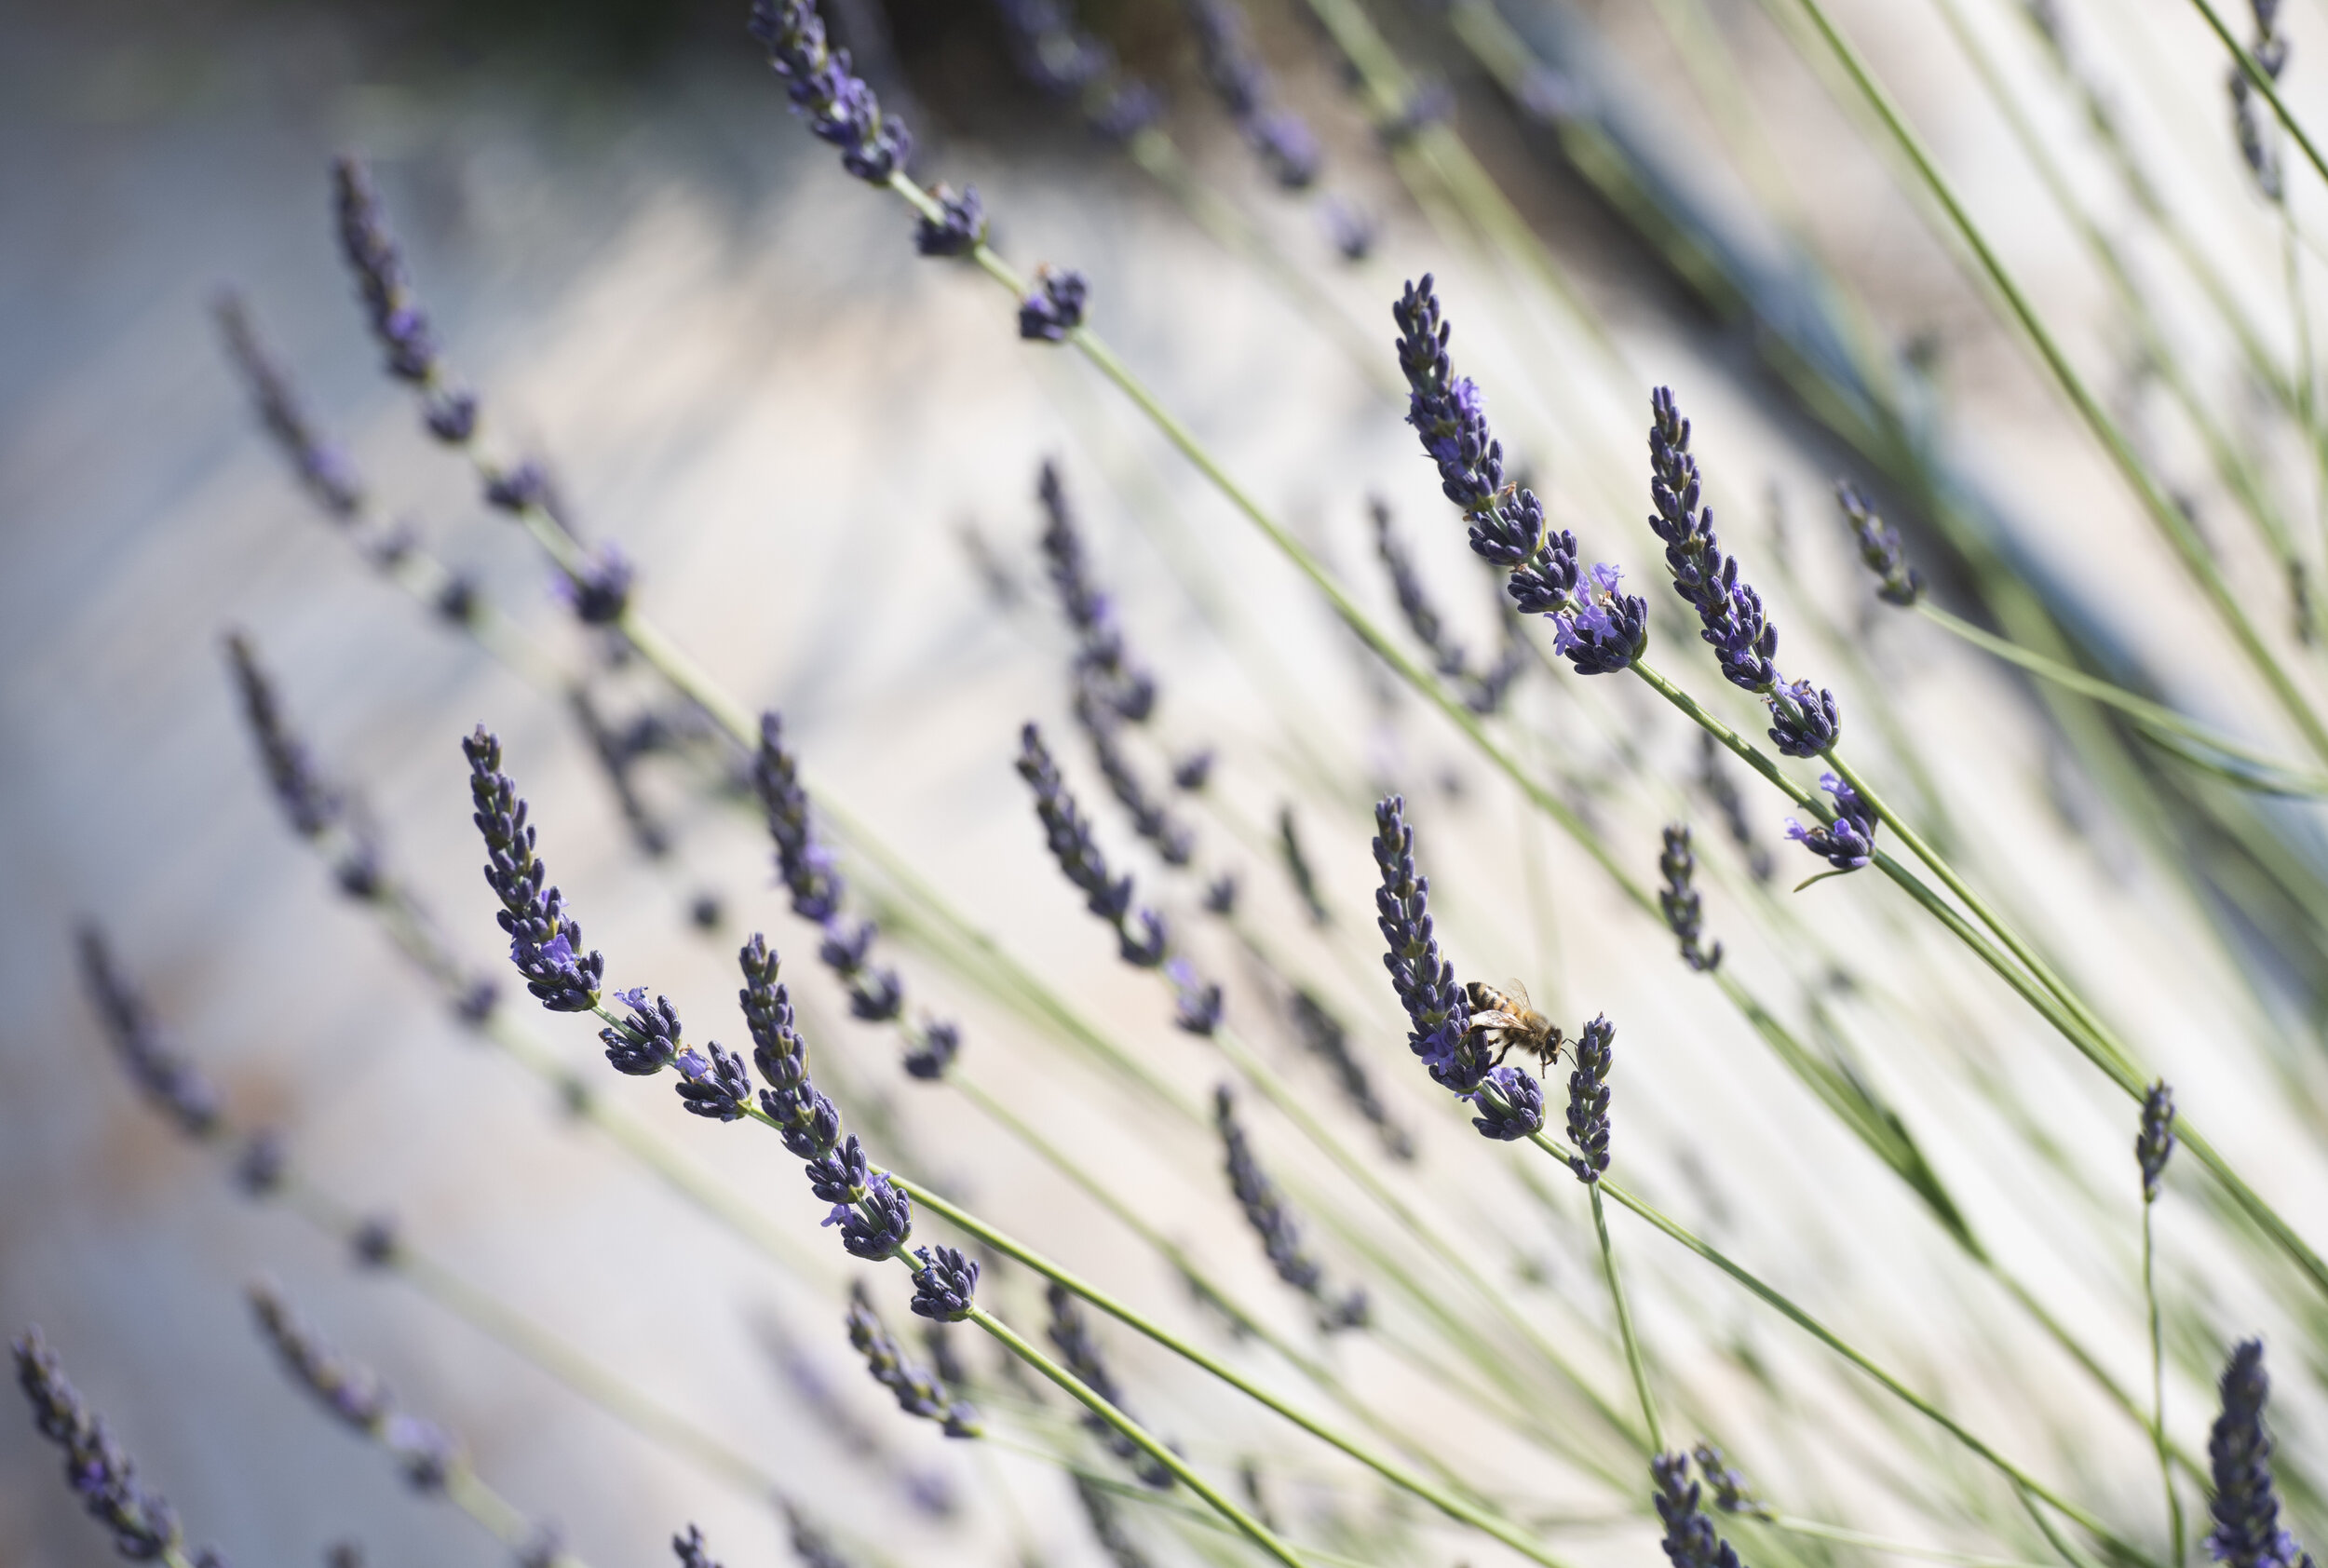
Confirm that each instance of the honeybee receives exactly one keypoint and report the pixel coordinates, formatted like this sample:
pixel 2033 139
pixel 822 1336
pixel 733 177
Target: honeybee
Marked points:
pixel 1504 1018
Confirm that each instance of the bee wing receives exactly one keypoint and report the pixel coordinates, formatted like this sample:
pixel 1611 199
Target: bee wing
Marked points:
pixel 1519 994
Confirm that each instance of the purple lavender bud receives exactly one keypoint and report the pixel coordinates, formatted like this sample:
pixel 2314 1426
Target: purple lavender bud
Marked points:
pixel 2156 1141
pixel 1104 666
pixel 1731 1493
pixel 1051 54
pixel 960 230
pixel 690 1550
pixel 518 489
pixel 375 1243
pixel 260 1170
pixel 1174 843
pixel 1729 611
pixel 169 1081
pixel 1195 1002
pixel 917 1393
pixel 451 416
pixel 1588 1100
pixel 1071 1336
pixel 2246 1501
pixel 1601 632
pixel 348 1390
pixel 935 1046
pixel 598 590
pixel 1482 690
pixel 1690 1539
pixel 826 92
pixel 1510 1103
pixel 1220 895
pixel 719 1090
pixel 323 469
pixel 1848 842
pixel 1352 229
pixel 946 1288
pixel 309 801
pixel 1279 1232
pixel 805 865
pixel 1445 409
pixel 545 941
pixel 424 1450
pixel 397 319
pixel 1193 772
pixel 101 1474
pixel 646 1042
pixel 1803 719
pixel 840 1176
pixel 880 1226
pixel 1282 141
pixel 459 601
pixel 1329 1040
pixel 1068 832
pixel 1685 912
pixel 1054 306
pixel 1896 581
pixel 1438 1014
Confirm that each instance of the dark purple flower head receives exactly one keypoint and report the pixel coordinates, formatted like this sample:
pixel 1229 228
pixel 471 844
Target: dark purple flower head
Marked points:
pixel 597 592
pixel 959 229
pixel 1274 1223
pixel 1051 54
pixel 1068 832
pixel 1193 772
pixel 545 941
pixel 376 1241
pixel 934 1048
pixel 1510 1104
pixel 879 1226
pixel 1896 581
pixel 1731 1492
pixel 2155 1143
pixel 828 93
pixel 424 1450
pixel 518 488
pixel 646 1042
pixel 1054 306
pixel 1601 630
pixel 690 1550
pixel 1729 611
pixel 807 867
pixel 1438 1014
pixel 323 469
pixel 347 1390
pixel 397 319
pixel 1482 690
pixel 1352 229
pixel 945 1286
pixel 1848 842
pixel 2246 1501
pixel 1220 895
pixel 1195 1002
pixel 1588 1099
pixel 1104 667
pixel 1445 408
pixel 1328 1039
pixel 154 1064
pixel 917 1392
pixel 260 1170
pixel 1280 139
pixel 101 1474
pixel 309 802
pixel 1684 913
pixel 1150 817
pixel 1071 1336
pixel 1804 721
pixel 1690 1539
pixel 719 1090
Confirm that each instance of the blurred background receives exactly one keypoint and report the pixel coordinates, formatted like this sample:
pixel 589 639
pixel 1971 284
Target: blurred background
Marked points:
pixel 821 452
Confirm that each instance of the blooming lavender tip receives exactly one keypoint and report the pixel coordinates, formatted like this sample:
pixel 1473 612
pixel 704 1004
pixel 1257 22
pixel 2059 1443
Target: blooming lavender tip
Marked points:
pixel 1071 1336
pixel 1731 1492
pixel 1193 772
pixel 310 802
pixel 1352 229
pixel 1896 581
pixel 323 469
pixel 1511 1105
pixel 376 1241
pixel 1220 895
pixel 1068 832
pixel 917 1392
pixel 1438 1016
pixel 945 1286
pixel 598 588
pixel 1848 842
pixel 719 1088
pixel 1196 1001
pixel 545 941
pixel 1685 914
pixel 99 1472
pixel 1103 663
pixel 1327 1038
pixel 1588 1100
pixel 1151 818
pixel 691 1551
pixel 160 1072
pixel 2246 1501
pixel 346 1389
pixel 827 92
pixel 1274 1223
pixel 645 1042
pixel 1281 139
pixel 397 322
pixel 1054 306
pixel 933 1049
pixel 807 867
pixel 877 1226
pixel 1690 1539
pixel 2155 1143
pixel 960 226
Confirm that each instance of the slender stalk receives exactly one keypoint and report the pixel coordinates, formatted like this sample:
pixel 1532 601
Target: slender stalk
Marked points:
pixel 2164 514
pixel 1252 1529
pixel 1624 1324
pixel 1790 1525
pixel 501 1519
pixel 2158 1391
pixel 2260 79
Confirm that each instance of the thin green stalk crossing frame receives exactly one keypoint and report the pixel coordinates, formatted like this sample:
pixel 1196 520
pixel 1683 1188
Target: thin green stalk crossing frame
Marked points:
pixel 1624 1323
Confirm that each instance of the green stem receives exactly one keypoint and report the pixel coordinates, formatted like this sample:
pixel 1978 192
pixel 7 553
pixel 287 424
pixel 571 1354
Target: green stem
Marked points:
pixel 1888 1548
pixel 2260 79
pixel 2158 1391
pixel 1252 1528
pixel 1624 1323
pixel 2164 514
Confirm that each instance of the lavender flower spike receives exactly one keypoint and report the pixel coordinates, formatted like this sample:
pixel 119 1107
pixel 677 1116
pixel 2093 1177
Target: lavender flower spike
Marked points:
pixel 1069 834
pixel 960 228
pixel 1847 843
pixel 394 310
pixel 1511 1105
pixel 1280 1234
pixel 1731 1492
pixel 323 469
pixel 1103 663
pixel 1054 306
pixel 1896 581
pixel 354 1394
pixel 1690 1539
pixel 1685 914
pixel 1280 139
pixel 154 1064
pixel 1438 1015
pixel 691 1551
pixel 2246 1500
pixel 102 1475
pixel 945 1286
pixel 1196 1001
pixel 310 802
pixel 1587 1101
pixel 1071 1336
pixel 545 941
pixel 2156 1141
pixel 827 92
pixel 917 1393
